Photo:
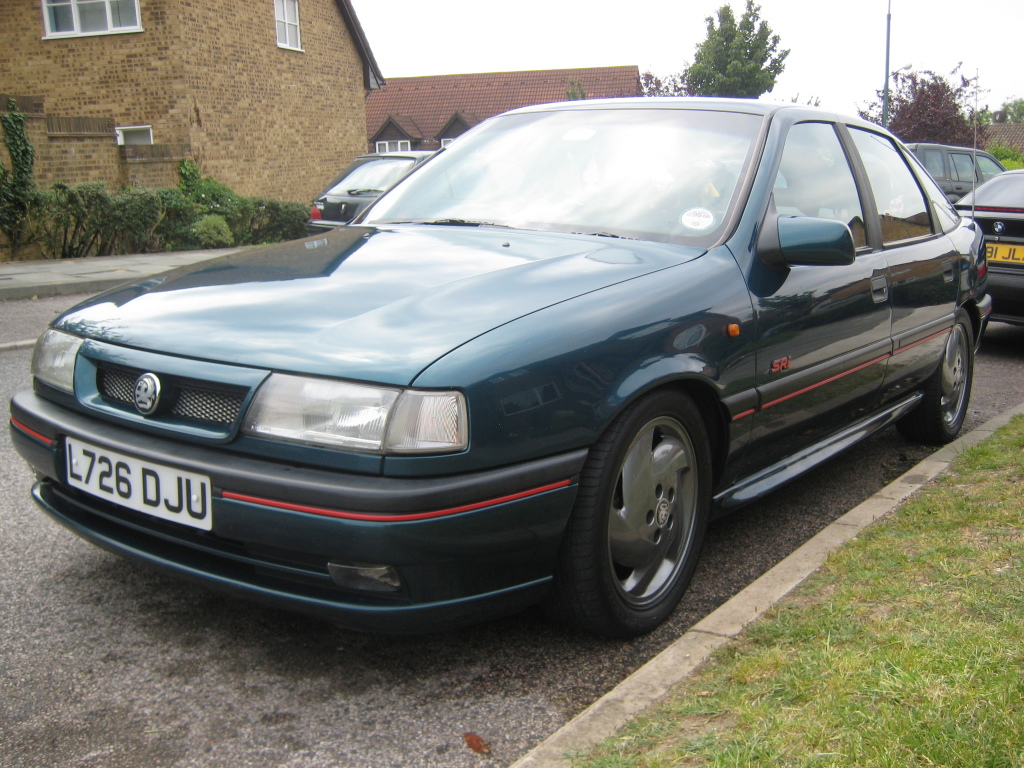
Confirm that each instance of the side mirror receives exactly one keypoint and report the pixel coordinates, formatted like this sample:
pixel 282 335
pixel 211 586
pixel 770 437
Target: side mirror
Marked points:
pixel 787 241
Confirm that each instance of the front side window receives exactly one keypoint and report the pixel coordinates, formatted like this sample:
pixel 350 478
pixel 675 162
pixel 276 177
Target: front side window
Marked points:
pixel 988 168
pixel 815 179
pixel 67 18
pixel 287 13
pixel 898 198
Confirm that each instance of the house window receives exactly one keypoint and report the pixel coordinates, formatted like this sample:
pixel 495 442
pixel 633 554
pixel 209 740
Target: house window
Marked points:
pixel 393 146
pixel 446 142
pixel 134 134
pixel 287 13
pixel 68 18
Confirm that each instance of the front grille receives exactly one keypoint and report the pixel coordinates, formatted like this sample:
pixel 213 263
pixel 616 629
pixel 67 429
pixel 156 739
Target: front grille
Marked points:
pixel 185 399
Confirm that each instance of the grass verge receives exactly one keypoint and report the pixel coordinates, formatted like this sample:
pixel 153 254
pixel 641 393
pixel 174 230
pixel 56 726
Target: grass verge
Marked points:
pixel 905 649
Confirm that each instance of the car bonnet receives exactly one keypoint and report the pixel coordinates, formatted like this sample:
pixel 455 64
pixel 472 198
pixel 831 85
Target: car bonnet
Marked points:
pixel 361 303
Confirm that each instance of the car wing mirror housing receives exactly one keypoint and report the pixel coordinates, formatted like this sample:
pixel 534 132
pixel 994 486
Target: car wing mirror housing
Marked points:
pixel 789 241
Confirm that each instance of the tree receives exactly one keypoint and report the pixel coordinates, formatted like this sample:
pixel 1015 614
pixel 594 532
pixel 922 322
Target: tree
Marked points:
pixel 575 90
pixel 926 107
pixel 671 85
pixel 17 186
pixel 741 60
pixel 1012 111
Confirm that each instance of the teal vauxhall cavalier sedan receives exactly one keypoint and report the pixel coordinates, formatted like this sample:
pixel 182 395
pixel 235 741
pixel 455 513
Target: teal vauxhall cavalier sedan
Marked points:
pixel 531 372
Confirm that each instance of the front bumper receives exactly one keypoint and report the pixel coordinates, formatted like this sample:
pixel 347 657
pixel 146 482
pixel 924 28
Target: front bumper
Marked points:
pixel 467 547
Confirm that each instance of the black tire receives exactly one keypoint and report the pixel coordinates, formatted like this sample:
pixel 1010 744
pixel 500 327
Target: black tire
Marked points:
pixel 639 520
pixel 937 419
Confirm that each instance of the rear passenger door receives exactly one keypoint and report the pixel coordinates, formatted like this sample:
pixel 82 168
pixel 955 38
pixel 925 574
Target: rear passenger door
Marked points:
pixel 924 264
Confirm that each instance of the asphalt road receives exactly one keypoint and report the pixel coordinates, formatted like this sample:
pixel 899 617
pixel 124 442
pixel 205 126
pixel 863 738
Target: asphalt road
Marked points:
pixel 103 663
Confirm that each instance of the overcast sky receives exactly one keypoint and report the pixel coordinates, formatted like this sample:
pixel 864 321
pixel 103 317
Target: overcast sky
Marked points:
pixel 837 49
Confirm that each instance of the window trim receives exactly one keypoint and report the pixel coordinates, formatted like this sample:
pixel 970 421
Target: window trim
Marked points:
pixel 120 129
pixel 404 145
pixel 48 34
pixel 281 17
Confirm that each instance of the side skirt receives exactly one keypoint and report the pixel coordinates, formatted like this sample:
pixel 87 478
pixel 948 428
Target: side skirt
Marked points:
pixel 757 485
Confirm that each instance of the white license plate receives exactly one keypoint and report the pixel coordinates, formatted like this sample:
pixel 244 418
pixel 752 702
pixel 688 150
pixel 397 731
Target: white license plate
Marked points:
pixel 164 492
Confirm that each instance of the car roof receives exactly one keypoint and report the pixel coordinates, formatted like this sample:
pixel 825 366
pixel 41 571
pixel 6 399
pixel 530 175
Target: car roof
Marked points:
pixel 747 106
pixel 932 145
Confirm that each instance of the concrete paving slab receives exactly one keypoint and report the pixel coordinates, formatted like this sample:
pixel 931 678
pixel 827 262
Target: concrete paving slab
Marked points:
pixel 36 279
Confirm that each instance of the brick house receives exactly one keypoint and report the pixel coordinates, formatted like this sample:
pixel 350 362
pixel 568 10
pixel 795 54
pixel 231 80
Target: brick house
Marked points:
pixel 267 96
pixel 428 112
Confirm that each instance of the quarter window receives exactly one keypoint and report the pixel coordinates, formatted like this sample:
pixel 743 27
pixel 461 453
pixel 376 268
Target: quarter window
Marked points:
pixel 898 198
pixel 68 18
pixel 287 13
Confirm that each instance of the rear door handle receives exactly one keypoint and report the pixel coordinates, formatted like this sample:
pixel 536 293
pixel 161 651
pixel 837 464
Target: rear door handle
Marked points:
pixel 880 289
pixel 947 270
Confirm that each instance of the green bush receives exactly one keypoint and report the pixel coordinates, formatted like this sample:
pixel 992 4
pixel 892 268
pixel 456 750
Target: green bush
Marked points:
pixel 1010 157
pixel 135 212
pixel 86 220
pixel 70 222
pixel 273 221
pixel 212 231
pixel 174 232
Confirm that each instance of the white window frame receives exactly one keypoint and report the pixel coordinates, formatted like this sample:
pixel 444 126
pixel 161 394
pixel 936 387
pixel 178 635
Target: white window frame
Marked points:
pixel 75 6
pixel 446 142
pixel 136 130
pixel 401 146
pixel 284 25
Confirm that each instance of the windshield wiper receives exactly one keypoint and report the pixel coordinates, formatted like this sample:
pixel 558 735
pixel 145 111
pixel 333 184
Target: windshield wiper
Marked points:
pixel 460 223
pixel 605 234
pixel 364 191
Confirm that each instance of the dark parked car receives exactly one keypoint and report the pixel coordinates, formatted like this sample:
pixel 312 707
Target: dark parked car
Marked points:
pixel 531 372
pixel 358 186
pixel 998 207
pixel 955 168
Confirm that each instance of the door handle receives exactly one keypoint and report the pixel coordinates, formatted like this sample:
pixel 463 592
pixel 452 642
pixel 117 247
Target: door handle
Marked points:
pixel 880 289
pixel 947 270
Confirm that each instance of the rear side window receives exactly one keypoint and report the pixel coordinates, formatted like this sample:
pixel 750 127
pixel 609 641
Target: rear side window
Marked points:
pixel 898 198
pixel 963 166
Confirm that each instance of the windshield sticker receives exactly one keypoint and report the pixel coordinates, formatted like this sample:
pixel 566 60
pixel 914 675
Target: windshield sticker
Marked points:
pixel 698 219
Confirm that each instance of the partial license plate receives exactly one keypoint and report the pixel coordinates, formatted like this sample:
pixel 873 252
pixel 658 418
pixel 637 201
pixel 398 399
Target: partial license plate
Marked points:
pixel 164 492
pixel 1013 254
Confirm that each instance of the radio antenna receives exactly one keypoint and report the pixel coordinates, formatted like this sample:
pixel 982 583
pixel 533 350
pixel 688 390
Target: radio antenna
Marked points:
pixel 974 159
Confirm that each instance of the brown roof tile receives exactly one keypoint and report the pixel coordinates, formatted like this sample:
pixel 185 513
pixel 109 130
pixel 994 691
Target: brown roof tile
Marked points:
pixel 431 101
pixel 1007 134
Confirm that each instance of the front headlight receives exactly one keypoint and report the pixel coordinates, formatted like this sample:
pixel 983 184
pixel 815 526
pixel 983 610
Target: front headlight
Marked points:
pixel 53 361
pixel 337 414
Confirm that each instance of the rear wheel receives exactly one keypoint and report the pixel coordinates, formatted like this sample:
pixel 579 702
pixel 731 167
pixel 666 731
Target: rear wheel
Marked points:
pixel 940 414
pixel 639 520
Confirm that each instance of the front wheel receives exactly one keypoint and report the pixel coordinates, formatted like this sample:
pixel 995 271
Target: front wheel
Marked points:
pixel 937 419
pixel 638 524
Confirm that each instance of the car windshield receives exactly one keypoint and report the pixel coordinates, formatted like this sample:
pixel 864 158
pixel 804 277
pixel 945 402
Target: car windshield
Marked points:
pixel 662 174
pixel 1004 191
pixel 372 176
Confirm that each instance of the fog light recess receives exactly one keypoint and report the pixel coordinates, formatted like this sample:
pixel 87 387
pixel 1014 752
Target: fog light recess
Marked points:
pixel 365 578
